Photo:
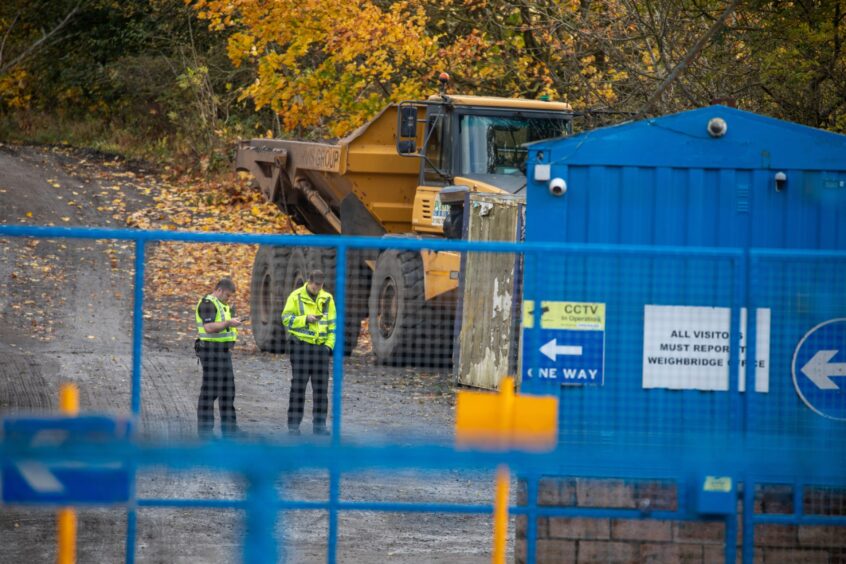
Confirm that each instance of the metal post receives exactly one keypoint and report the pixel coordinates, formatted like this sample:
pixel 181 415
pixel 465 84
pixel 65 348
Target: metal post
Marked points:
pixel 730 550
pixel 334 496
pixel 66 518
pixel 137 328
pixel 135 404
pixel 337 388
pixel 260 538
pixel 748 519
pixel 340 344
pixel 749 376
pixel 531 517
pixel 503 476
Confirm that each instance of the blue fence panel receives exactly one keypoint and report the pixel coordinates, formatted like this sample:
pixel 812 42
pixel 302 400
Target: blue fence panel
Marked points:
pixel 806 401
pixel 626 282
pixel 631 418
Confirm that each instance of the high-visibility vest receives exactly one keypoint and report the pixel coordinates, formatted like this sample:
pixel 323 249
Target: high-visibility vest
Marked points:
pixel 299 306
pixel 223 314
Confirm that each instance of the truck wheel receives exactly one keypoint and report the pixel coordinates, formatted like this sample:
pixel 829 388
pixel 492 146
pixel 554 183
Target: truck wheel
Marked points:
pixel 396 305
pixel 267 298
pixel 296 271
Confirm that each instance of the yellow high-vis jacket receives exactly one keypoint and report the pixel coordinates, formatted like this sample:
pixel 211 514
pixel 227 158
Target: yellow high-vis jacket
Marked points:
pixel 299 305
pixel 223 314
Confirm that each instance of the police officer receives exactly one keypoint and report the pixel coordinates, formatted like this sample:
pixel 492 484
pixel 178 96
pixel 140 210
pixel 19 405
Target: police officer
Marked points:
pixel 309 317
pixel 217 335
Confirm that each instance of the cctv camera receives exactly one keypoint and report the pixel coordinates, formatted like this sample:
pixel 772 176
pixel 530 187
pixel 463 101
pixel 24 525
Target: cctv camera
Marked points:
pixel 557 186
pixel 717 127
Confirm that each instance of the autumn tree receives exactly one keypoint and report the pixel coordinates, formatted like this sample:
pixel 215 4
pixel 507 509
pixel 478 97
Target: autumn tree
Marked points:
pixel 326 64
pixel 797 48
pixel 330 65
pixel 187 77
pixel 26 29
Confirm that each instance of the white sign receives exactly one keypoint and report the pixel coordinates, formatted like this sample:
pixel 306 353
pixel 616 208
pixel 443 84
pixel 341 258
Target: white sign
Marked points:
pixel 687 348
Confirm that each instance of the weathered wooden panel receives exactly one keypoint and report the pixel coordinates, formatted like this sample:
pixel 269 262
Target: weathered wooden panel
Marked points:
pixel 488 292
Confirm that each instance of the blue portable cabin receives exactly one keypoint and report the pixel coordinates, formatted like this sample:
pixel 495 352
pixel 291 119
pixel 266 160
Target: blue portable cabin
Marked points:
pixel 667 181
pixel 719 186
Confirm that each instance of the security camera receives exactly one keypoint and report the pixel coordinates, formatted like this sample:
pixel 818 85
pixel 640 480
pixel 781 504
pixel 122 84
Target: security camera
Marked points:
pixel 557 186
pixel 780 181
pixel 717 127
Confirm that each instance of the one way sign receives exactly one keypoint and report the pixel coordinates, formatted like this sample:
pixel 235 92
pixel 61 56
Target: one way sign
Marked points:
pixel 819 369
pixel 53 481
pixel 569 347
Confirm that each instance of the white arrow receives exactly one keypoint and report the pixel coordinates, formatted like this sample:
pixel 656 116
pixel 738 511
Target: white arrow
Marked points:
pixel 37 475
pixel 39 478
pixel 552 350
pixel 819 370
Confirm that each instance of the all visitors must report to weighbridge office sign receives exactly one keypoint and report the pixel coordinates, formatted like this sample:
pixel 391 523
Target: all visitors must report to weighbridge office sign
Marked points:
pixel 687 348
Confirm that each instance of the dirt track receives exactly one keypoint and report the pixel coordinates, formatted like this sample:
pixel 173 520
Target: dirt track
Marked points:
pixel 65 315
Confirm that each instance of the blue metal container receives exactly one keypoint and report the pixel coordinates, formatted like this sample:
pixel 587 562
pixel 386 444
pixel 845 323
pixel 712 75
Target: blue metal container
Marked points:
pixel 668 181
pixel 741 206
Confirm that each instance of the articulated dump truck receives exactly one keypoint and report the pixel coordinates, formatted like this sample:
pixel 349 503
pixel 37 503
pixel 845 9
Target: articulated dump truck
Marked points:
pixel 403 174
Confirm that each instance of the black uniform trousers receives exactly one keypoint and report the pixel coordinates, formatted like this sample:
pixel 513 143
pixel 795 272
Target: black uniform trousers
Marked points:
pixel 218 384
pixel 308 362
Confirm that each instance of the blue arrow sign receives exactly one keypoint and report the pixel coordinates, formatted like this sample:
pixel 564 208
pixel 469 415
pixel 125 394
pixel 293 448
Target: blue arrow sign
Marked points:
pixel 819 369
pixel 63 483
pixel 566 356
pixel 569 347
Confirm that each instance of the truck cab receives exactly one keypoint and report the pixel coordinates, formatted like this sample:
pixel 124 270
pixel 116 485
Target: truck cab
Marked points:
pixel 473 142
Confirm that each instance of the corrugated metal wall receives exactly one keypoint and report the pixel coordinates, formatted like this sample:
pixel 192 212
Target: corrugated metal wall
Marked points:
pixel 692 207
pixel 666 182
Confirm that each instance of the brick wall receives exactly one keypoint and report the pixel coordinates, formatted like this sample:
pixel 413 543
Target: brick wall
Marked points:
pixel 584 540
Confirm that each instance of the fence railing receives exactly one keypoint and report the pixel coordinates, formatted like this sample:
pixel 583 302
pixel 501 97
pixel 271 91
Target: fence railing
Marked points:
pixel 675 413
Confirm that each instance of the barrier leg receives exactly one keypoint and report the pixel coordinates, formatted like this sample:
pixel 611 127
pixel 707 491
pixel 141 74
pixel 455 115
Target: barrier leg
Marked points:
pixel 503 478
pixel 66 518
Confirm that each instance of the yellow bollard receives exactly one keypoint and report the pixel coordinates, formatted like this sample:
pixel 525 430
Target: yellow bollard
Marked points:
pixel 67 536
pixel 500 422
pixel 503 476
pixel 66 519
pixel 69 399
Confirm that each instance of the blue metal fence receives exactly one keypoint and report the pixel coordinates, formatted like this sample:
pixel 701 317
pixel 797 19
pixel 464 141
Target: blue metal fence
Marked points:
pixel 626 426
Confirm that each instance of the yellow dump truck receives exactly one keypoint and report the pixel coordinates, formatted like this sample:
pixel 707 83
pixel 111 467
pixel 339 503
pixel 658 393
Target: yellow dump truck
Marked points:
pixel 404 173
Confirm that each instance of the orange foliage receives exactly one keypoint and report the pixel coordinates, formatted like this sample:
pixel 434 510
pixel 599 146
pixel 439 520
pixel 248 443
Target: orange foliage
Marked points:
pixel 180 271
pixel 332 64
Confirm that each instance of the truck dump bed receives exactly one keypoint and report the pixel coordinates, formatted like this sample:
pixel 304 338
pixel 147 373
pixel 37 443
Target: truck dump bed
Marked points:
pixel 368 189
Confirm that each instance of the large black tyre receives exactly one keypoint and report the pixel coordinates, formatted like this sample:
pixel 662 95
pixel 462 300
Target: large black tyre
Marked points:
pixel 396 306
pixel 404 327
pixel 277 271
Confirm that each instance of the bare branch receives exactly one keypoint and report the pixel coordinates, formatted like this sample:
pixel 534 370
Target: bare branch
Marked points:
pixel 6 37
pixel 692 53
pixel 42 41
